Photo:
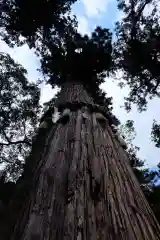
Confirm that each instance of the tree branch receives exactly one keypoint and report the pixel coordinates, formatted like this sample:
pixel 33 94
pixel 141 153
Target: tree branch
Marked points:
pixel 141 8
pixel 135 17
pixel 16 142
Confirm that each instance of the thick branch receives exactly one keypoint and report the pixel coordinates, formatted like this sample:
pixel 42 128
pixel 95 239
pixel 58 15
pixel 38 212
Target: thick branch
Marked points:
pixel 15 142
pixel 136 17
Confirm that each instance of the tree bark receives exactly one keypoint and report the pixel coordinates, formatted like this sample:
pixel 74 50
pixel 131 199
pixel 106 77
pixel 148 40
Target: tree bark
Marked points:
pixel 84 187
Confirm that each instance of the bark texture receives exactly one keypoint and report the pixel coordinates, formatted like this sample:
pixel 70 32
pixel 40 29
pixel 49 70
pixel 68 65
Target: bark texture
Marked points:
pixel 84 188
pixel 73 93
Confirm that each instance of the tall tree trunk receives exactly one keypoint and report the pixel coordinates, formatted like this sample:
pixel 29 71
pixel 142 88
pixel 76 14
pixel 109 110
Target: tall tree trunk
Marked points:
pixel 84 187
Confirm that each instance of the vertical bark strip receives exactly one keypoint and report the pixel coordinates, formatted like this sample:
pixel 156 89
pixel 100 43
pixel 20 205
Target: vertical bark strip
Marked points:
pixel 85 188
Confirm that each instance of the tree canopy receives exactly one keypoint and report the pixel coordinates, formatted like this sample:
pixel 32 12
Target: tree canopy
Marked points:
pixel 155 133
pixel 31 19
pixel 136 54
pixel 19 111
pixel 137 50
pixel 64 60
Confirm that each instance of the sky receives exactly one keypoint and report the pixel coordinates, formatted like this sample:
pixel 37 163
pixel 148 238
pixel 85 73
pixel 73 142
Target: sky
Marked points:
pixel 91 13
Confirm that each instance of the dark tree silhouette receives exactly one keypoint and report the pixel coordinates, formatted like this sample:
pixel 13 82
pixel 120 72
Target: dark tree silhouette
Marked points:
pixel 155 133
pixel 32 20
pixel 19 110
pixel 137 51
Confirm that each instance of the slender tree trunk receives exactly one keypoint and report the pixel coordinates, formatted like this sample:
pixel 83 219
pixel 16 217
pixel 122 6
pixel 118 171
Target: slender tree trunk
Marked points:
pixel 84 187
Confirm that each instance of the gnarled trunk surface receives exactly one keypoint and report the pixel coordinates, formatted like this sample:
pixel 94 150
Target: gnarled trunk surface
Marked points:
pixel 84 188
pixel 73 92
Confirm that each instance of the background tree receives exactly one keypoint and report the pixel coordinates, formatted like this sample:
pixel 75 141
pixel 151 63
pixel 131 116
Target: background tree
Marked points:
pixel 127 129
pixel 137 54
pixel 147 178
pixel 137 51
pixel 155 133
pixel 19 114
pixel 154 199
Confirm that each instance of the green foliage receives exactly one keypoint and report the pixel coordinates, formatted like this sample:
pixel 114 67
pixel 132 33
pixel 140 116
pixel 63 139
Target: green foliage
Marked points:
pixel 154 196
pixel 147 178
pixel 155 133
pixel 127 129
pixel 137 51
pixel 63 52
pixel 14 203
pixel 19 109
pixel 154 200
pixel 30 19
pixel 78 58
pixel 51 102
